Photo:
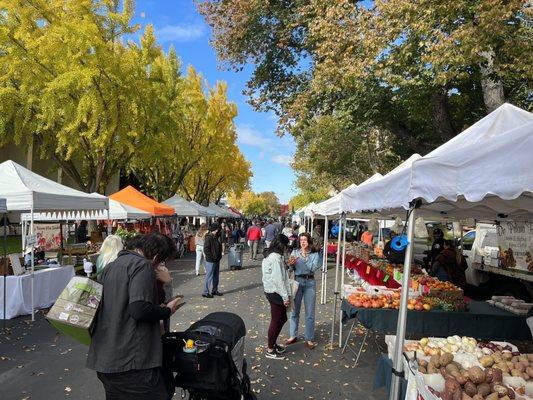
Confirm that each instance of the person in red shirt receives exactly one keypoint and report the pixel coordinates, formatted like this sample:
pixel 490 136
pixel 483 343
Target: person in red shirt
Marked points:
pixel 253 235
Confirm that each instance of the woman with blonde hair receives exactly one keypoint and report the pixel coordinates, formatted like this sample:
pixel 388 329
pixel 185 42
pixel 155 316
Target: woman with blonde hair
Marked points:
pixel 199 242
pixel 111 246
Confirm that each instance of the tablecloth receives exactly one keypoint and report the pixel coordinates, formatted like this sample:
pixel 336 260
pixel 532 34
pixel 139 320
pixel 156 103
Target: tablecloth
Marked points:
pixel 482 321
pixel 372 275
pixel 383 376
pixel 48 285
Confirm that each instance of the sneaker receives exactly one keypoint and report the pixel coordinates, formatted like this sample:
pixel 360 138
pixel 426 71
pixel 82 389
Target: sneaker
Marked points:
pixel 280 349
pixel 217 293
pixel 290 341
pixel 273 354
pixel 207 296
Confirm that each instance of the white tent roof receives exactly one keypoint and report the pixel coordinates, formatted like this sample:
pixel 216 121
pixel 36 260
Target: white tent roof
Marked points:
pixel 205 210
pixel 487 182
pixel 219 211
pixel 380 194
pixel 3 207
pixel 117 211
pixel 184 208
pixel 477 166
pixel 25 190
pixel 335 205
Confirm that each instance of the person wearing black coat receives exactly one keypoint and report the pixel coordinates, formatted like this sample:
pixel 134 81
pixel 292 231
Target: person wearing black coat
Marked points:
pixel 213 255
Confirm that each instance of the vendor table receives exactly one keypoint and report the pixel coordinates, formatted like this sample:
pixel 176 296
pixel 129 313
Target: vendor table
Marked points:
pixel 48 285
pixel 372 275
pixel 482 321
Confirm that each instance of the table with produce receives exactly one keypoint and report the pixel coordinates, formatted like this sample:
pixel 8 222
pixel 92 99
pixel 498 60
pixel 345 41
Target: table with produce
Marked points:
pixel 463 368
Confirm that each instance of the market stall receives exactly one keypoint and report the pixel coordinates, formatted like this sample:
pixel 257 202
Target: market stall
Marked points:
pixel 132 197
pixel 436 185
pixel 26 191
pixel 184 208
pixel 205 210
pixel 219 211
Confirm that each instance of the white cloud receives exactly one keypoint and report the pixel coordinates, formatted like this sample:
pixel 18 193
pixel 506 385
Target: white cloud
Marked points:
pixel 180 33
pixel 261 155
pixel 282 159
pixel 247 135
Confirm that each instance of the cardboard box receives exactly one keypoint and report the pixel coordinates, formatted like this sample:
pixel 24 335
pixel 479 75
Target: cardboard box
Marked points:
pixel 74 311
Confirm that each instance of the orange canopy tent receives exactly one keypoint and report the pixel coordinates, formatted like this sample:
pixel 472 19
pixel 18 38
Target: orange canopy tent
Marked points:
pixel 134 198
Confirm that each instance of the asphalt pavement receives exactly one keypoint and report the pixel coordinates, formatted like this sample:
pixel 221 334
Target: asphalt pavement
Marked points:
pixel 37 362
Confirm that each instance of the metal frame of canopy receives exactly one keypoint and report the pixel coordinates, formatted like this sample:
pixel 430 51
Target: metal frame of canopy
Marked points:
pixel 3 210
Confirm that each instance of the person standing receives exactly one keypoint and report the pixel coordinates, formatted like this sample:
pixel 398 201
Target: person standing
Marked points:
pixel 126 349
pixel 199 243
pixel 253 235
pixel 277 291
pixel 111 246
pixel 270 232
pixel 306 262
pixel 213 255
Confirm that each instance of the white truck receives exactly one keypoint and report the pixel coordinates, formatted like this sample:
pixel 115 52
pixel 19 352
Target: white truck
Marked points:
pixel 486 272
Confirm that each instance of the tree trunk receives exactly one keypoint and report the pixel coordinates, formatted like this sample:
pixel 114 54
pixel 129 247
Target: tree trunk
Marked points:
pixel 441 115
pixel 492 87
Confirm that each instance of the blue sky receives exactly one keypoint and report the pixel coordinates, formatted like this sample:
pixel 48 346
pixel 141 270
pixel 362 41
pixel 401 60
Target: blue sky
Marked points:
pixel 178 23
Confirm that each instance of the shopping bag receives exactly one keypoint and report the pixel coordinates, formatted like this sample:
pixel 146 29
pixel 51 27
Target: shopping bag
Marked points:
pixel 74 312
pixel 294 289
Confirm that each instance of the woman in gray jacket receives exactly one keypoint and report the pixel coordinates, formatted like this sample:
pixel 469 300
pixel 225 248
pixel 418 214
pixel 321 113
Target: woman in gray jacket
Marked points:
pixel 278 291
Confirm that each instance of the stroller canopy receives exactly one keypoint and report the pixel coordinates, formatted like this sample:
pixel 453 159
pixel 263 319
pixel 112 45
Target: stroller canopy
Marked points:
pixel 227 327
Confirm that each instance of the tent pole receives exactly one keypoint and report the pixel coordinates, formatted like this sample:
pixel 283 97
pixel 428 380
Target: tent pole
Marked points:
pixel 324 262
pixel 343 272
pixel 32 270
pixel 311 229
pixel 397 368
pixel 109 230
pixel 5 267
pixel 337 262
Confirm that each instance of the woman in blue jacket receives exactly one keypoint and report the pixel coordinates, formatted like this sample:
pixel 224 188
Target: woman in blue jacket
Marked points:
pixel 306 261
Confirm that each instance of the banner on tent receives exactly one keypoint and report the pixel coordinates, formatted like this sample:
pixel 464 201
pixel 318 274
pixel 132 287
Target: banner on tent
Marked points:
pixel 48 236
pixel 519 237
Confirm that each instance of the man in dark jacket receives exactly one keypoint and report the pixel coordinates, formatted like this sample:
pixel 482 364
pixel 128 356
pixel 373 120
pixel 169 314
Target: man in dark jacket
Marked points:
pixel 126 349
pixel 213 255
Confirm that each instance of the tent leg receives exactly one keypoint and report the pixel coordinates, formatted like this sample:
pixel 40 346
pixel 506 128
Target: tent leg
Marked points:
pixel 5 269
pixel 397 367
pixel 343 273
pixel 324 263
pixel 337 262
pixel 32 271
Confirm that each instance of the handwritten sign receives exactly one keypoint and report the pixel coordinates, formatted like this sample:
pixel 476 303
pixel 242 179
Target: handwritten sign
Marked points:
pixel 48 236
pixel 519 237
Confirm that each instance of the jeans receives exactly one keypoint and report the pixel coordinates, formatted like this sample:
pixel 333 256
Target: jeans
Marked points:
pixel 307 292
pixel 212 272
pixel 254 248
pixel 199 258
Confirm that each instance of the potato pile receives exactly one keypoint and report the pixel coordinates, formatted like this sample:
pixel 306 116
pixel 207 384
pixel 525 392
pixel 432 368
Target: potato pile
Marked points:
pixel 467 384
pixel 514 365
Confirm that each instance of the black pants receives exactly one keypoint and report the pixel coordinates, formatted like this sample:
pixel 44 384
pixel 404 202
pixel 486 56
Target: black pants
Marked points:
pixel 141 384
pixel 278 318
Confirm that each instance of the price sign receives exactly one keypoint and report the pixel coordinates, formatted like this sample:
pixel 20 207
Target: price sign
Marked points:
pixel 31 240
pixel 519 237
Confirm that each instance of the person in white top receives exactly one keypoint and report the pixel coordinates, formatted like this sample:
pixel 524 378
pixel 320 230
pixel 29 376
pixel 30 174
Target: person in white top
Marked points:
pixel 199 242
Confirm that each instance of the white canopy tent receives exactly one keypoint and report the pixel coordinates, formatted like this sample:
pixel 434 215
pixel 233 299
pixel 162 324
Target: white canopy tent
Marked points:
pixel 207 211
pixel 117 211
pixel 185 208
pixel 485 172
pixel 219 211
pixel 26 191
pixel 391 194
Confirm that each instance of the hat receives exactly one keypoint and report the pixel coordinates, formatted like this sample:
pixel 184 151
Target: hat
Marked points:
pixel 214 226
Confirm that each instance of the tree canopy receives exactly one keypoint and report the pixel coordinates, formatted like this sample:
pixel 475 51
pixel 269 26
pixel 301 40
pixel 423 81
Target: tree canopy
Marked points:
pixel 74 83
pixel 362 85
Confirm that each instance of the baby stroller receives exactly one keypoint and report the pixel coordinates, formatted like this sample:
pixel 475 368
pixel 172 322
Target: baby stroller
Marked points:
pixel 216 370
